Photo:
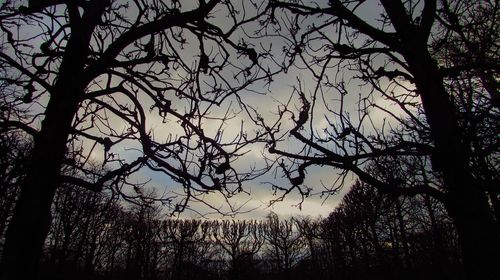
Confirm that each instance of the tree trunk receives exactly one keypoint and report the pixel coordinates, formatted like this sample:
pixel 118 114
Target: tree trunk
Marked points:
pixel 466 201
pixel 31 220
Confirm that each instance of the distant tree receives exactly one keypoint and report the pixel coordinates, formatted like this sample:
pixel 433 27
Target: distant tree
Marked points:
pixel 110 240
pixel 185 245
pixel 141 242
pixel 241 241
pixel 80 233
pixel 113 243
pixel 310 231
pixel 284 245
pixel 425 105
pixel 14 152
pixel 13 158
pixel 97 76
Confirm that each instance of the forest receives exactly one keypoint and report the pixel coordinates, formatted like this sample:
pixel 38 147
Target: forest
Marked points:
pixel 119 116
pixel 93 236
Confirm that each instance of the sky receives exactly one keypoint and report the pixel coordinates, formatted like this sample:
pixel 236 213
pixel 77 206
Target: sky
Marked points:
pixel 258 194
pixel 254 202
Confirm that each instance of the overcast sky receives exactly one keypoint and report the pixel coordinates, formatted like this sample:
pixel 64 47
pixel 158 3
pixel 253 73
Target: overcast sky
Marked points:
pixel 258 193
pixel 319 179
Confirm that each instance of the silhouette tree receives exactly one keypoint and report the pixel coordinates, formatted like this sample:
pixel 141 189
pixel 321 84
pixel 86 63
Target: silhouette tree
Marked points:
pixel 97 76
pixel 14 151
pixel 285 245
pixel 387 237
pixel 310 231
pixel 428 84
pixel 142 246
pixel 80 233
pixel 186 243
pixel 241 241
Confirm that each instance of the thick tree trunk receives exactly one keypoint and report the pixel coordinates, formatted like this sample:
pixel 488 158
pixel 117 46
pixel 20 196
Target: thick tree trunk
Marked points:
pixel 466 201
pixel 31 220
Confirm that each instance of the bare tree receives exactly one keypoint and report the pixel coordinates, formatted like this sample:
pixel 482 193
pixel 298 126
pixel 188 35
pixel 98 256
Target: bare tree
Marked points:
pixel 80 232
pixel 185 243
pixel 387 237
pixel 14 152
pixel 427 77
pixel 284 245
pixel 97 76
pixel 241 241
pixel 310 231
pixel 141 242
pixel 12 161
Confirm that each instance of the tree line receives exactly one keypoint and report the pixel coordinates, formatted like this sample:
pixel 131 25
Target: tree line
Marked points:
pixel 98 236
